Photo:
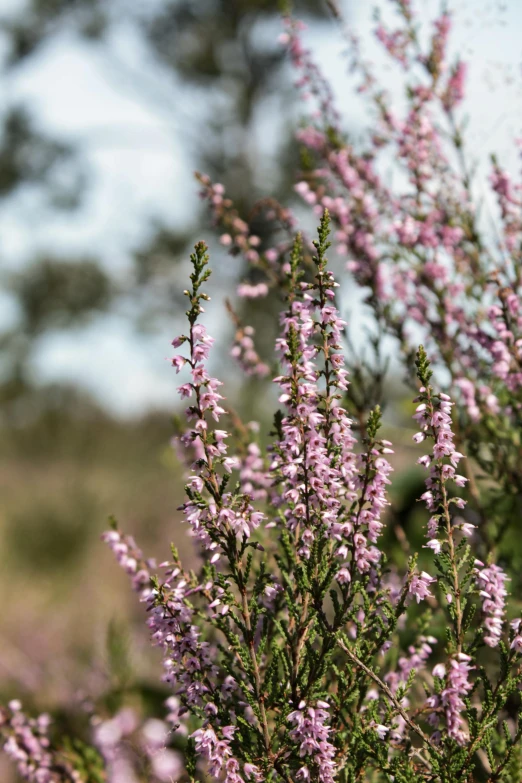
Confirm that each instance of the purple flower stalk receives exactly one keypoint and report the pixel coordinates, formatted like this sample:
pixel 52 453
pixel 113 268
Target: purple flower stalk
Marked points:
pixel 451 700
pixel 222 764
pixel 213 515
pixel 491 584
pixel 311 733
pixel 433 414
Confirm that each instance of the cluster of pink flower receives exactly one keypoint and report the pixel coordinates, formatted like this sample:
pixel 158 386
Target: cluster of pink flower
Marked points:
pixel 222 764
pixel 191 669
pixel 510 202
pixel 238 237
pixel 371 480
pixel 412 251
pixel 357 218
pixel 469 392
pixel 315 456
pixel 416 660
pixel 311 733
pixel 430 232
pixel 188 661
pixel 132 560
pixel 271 622
pixel 26 742
pixel 433 414
pixel 491 581
pixel 126 743
pixel 419 144
pixel 209 520
pixel 374 227
pixel 244 352
pixel 418 252
pixel 419 256
pixel 516 643
pixel 253 473
pixel 216 518
pixel 505 346
pixel 454 92
pixel 325 491
pixel 252 290
pixel 396 43
pixel 451 699
pixel 419 586
pixel 240 240
pixel 170 618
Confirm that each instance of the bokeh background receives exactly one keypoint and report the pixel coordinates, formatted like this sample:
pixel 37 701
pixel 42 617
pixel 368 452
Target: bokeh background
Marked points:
pixel 106 109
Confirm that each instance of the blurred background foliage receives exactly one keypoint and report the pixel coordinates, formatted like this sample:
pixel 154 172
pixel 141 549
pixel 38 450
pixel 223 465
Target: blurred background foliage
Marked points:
pixel 66 461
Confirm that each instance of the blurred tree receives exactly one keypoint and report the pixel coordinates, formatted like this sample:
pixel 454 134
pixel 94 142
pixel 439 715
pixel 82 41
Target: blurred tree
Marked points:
pixel 50 294
pixel 220 70
pixel 29 157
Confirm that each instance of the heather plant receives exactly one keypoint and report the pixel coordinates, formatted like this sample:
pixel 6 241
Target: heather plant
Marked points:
pixel 301 648
pixel 422 252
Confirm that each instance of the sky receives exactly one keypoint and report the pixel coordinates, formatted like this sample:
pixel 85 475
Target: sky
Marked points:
pixel 121 112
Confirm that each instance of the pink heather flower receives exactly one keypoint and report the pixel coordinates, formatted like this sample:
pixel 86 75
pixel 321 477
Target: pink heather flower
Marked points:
pixel 396 43
pixel 245 353
pixel 247 291
pixel 131 559
pixel 217 751
pixel 311 734
pixel 170 623
pixel 410 252
pixel 491 581
pixel 252 773
pixel 433 414
pixel 212 520
pixel 206 517
pixel 315 456
pixel 381 730
pixel 516 643
pixel 467 529
pixel 27 744
pixel 185 390
pixel 451 699
pixel 439 671
pixel 167 765
pixel 419 586
pixel 454 92
pixel 416 658
pixel 457 688
pixel 253 473
pixel 179 362
pixel 111 737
